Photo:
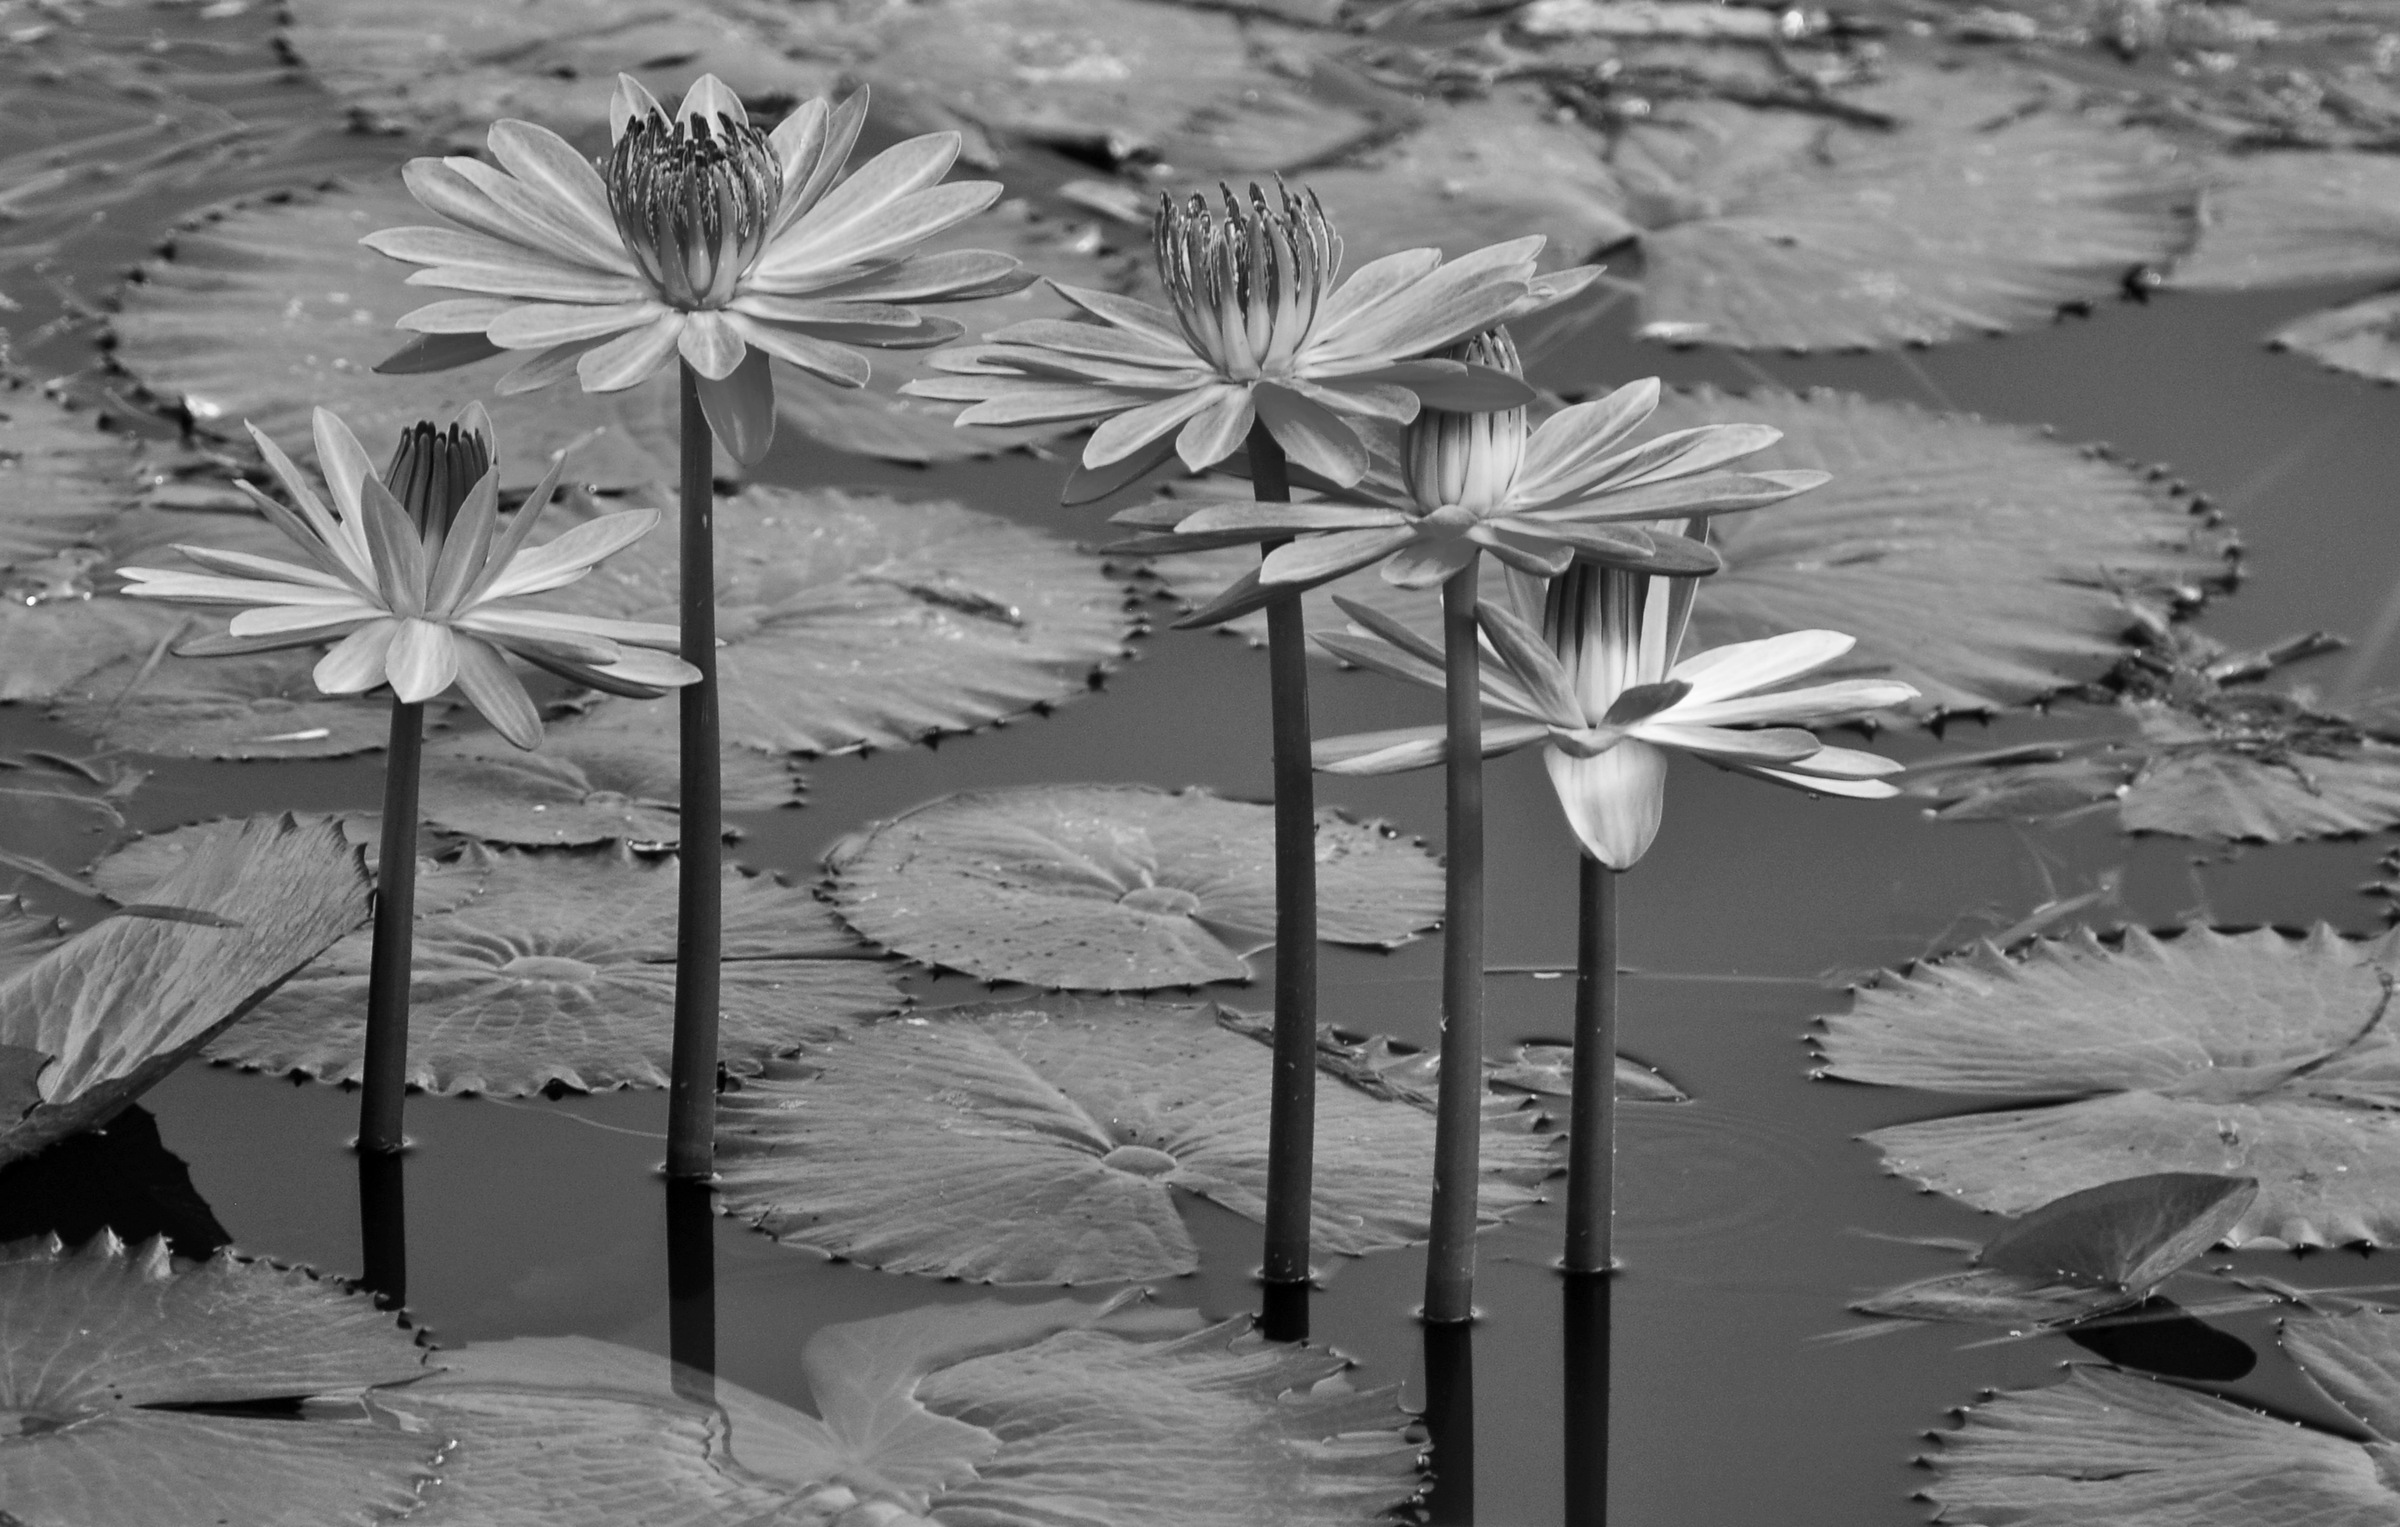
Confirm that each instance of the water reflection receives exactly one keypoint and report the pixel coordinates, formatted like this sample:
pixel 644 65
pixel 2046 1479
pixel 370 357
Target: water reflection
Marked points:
pixel 1283 1310
pixel 692 1288
pixel 1587 1359
pixel 2158 1337
pixel 119 1177
pixel 383 1226
pixel 1450 1421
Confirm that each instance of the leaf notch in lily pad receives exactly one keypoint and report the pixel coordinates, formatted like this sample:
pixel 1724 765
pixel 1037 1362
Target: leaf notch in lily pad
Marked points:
pixel 1025 1143
pixel 2241 1055
pixel 1114 887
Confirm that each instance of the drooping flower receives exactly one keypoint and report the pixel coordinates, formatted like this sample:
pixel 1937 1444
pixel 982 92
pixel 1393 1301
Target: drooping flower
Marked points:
pixel 1457 484
pixel 1599 681
pixel 706 237
pixel 416 583
pixel 1259 332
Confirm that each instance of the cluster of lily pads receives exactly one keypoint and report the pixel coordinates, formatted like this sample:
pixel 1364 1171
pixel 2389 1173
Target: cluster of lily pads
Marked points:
pixel 1370 440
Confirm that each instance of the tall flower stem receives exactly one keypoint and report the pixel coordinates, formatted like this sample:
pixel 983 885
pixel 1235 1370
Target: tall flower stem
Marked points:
pixel 1292 1106
pixel 384 1083
pixel 1592 1111
pixel 699 932
pixel 1458 1107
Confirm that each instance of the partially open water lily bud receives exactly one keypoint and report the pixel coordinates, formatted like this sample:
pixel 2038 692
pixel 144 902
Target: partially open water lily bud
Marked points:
pixel 434 468
pixel 1467 460
pixel 694 199
pixel 1247 288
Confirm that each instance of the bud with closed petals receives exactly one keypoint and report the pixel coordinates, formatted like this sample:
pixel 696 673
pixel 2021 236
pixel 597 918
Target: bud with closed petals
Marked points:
pixel 432 471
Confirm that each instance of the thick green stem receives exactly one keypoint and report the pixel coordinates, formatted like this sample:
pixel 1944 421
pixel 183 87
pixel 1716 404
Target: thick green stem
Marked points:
pixel 383 1086
pixel 1592 1111
pixel 1458 1108
pixel 699 932
pixel 1292 1108
pixel 1587 1359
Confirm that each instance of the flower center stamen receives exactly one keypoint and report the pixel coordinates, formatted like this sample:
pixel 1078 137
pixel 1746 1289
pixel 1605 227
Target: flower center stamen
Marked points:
pixel 432 472
pixel 694 201
pixel 1247 289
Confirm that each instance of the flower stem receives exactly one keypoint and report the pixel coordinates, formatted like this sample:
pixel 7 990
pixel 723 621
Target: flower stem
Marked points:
pixel 699 931
pixel 384 1083
pixel 1458 1106
pixel 1592 1111
pixel 1292 1104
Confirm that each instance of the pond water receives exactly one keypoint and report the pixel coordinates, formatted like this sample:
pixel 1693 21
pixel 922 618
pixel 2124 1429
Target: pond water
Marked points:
pixel 1750 1217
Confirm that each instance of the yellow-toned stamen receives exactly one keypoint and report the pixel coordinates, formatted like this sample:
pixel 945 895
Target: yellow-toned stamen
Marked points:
pixel 432 472
pixel 1246 289
pixel 1467 461
pixel 694 201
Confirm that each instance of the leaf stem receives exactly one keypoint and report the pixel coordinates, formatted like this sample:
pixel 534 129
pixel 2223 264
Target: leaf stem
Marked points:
pixel 383 1085
pixel 1292 1104
pixel 699 932
pixel 1458 1105
pixel 1592 1110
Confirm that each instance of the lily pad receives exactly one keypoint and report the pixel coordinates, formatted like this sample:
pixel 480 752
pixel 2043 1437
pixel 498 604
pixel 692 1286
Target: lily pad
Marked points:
pixel 2106 1448
pixel 1115 887
pixel 102 1351
pixel 60 477
pixel 2090 1253
pixel 2242 1055
pixel 853 620
pixel 244 707
pixel 1393 1068
pixel 25 935
pixel 1019 1143
pixel 1548 1071
pixel 130 872
pixel 562 971
pixel 96 1021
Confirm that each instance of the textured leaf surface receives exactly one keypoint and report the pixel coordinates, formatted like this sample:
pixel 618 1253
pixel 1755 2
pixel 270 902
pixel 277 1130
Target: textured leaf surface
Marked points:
pixel 240 707
pixel 1012 1143
pixel 1115 887
pixel 129 871
pixel 2362 338
pixel 2246 1055
pixel 562 970
pixel 90 1340
pixel 860 621
pixel 123 1003
pixel 1548 1070
pixel 2291 219
pixel 59 476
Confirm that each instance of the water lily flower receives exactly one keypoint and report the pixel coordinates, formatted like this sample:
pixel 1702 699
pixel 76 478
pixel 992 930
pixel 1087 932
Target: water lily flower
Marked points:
pixel 1600 682
pixel 1459 484
pixel 412 597
pixel 1259 333
pixel 702 236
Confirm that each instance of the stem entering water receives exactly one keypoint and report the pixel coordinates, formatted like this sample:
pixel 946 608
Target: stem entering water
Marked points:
pixel 1458 1108
pixel 1592 1112
pixel 692 1085
pixel 383 1227
pixel 1292 1115
pixel 692 1288
pixel 384 1081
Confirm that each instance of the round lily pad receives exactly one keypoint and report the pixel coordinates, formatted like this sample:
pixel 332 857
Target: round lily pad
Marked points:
pixel 1115 887
pixel 60 478
pixel 853 620
pixel 244 707
pixel 2248 1055
pixel 1016 1143
pixel 131 871
pixel 106 1352
pixel 561 970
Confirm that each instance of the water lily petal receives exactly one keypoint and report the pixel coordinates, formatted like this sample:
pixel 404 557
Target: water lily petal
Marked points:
pixel 1377 400
pixel 401 566
pixel 206 588
pixel 1312 435
pixel 1848 763
pixel 838 364
pixel 1211 434
pixel 806 180
pixel 570 555
pixel 1130 314
pixel 1277 519
pixel 632 357
pixel 711 343
pixel 1539 561
pixel 1447 304
pixel 1816 705
pixel 243 564
pixel 1381 657
pixel 1770 745
pixel 475 262
pixel 1412 747
pixel 1136 427
pixel 556 191
pixel 226 644
pixel 740 409
pixel 555 364
pixel 1374 283
pixel 1137 347
pixel 435 352
pixel 1024 403
pixel 1820 784
pixel 327 621
pixel 859 201
pixel 442 187
pixel 1709 494
pixel 529 635
pixel 1614 801
pixel 629 101
pixel 454 315
pixel 1569 441
pixel 304 535
pixel 812 311
pixel 936 277
pixel 422 662
pixel 1315 559
pixel 710 97
pixel 347 468
pixel 541 325
pixel 652 669
pixel 810 255
pixel 495 691
pixel 1430 562
pixel 567 626
pixel 1682 453
pixel 465 548
pixel 1740 667
pixel 356 662
pixel 1546 680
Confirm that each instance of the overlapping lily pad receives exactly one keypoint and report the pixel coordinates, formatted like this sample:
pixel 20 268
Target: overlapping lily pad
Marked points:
pixel 1115 887
pixel 131 871
pixel 2246 1055
pixel 1020 1143
pixel 854 620
pixel 243 707
pixel 561 971
pixel 105 1352
pixel 60 478
pixel 2107 1448
pixel 25 936
pixel 94 1022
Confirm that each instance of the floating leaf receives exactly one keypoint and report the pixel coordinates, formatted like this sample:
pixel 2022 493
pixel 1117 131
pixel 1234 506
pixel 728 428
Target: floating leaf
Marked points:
pixel 1015 1143
pixel 131 871
pixel 25 936
pixel 2107 1448
pixel 102 1351
pixel 2247 1055
pixel 562 970
pixel 858 621
pixel 2295 219
pixel 2089 1253
pixel 1394 1068
pixel 1115 887
pixel 95 1022
pixel 1548 1070
pixel 59 478
pixel 243 707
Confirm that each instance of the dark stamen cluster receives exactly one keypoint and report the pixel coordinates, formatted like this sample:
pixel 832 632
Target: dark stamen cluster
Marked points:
pixel 694 201
pixel 1247 288
pixel 432 472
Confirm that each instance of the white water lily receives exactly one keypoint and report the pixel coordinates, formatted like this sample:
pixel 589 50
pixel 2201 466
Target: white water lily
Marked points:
pixel 1599 680
pixel 427 594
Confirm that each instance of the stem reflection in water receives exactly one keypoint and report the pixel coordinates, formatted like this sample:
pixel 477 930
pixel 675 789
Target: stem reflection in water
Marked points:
pixel 1587 1358
pixel 383 1226
pixel 692 1287
pixel 1450 1420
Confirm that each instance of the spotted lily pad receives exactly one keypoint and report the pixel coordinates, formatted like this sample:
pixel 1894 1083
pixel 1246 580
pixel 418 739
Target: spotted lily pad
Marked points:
pixel 2106 1447
pixel 852 620
pixel 1115 887
pixel 124 1378
pixel 97 1020
pixel 2247 1055
pixel 562 970
pixel 1018 1143
pixel 244 707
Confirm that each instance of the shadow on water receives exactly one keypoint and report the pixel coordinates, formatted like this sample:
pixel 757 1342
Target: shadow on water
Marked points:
pixel 1283 1310
pixel 1586 1339
pixel 121 1177
pixel 1450 1422
pixel 2158 1337
pixel 692 1288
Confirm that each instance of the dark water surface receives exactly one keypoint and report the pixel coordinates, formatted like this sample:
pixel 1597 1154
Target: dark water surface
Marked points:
pixel 1741 1211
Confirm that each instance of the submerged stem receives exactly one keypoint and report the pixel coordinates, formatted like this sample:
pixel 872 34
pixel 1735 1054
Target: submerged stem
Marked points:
pixel 1592 1110
pixel 384 1069
pixel 1292 1107
pixel 1458 1107
pixel 699 934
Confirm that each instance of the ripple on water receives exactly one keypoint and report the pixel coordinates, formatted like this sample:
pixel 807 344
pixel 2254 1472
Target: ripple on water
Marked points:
pixel 1705 1193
